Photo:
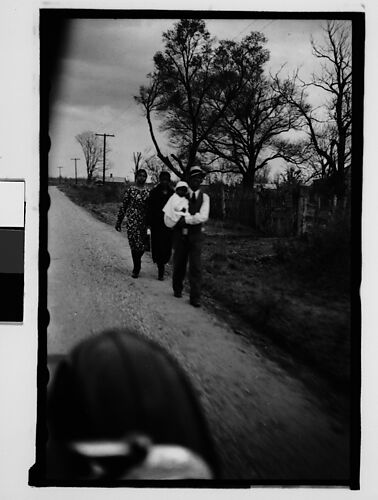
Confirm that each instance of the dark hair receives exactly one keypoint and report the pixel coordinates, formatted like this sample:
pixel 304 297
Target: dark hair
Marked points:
pixel 163 174
pixel 141 170
pixel 117 383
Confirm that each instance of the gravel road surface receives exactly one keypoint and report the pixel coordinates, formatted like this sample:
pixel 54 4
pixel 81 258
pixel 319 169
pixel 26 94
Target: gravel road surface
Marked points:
pixel 266 424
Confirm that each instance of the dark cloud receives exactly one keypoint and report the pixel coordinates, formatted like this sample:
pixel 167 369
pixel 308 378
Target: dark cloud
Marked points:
pixel 107 60
pixel 86 83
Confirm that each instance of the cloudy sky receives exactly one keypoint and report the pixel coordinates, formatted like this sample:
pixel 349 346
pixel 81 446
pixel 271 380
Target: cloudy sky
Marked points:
pixel 106 60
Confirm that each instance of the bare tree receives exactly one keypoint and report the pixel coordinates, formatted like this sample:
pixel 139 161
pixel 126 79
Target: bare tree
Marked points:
pixel 329 127
pixel 247 133
pixel 154 167
pixel 250 134
pixel 291 176
pixel 263 175
pixel 137 158
pixel 186 77
pixel 93 153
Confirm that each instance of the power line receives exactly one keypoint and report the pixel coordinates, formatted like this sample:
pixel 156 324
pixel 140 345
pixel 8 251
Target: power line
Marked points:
pixel 104 153
pixel 75 160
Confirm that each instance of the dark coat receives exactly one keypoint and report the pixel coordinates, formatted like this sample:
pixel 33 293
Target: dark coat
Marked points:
pixel 161 236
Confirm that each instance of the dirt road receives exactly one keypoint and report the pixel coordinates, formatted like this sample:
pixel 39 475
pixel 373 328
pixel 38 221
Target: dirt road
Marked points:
pixel 266 424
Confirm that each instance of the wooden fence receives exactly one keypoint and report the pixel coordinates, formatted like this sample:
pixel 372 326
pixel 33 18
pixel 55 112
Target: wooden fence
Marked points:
pixel 286 211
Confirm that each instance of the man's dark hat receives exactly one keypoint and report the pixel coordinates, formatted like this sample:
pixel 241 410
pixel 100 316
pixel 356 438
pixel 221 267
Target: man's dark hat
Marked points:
pixel 196 171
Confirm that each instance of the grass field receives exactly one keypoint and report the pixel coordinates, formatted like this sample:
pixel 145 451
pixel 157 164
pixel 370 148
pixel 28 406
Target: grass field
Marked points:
pixel 286 294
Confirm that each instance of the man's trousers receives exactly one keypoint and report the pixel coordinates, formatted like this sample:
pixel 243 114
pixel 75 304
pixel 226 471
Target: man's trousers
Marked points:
pixel 187 248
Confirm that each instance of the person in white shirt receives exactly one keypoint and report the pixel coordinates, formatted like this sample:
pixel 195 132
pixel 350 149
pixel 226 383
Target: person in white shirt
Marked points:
pixel 177 205
pixel 188 236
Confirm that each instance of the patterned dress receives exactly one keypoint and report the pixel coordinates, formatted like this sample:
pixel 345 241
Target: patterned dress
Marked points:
pixel 134 206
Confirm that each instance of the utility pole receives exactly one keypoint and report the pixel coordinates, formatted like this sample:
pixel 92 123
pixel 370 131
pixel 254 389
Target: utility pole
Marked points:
pixel 60 173
pixel 103 154
pixel 75 160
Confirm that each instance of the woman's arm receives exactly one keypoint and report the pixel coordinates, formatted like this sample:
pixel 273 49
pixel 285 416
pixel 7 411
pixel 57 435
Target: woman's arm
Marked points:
pixel 122 209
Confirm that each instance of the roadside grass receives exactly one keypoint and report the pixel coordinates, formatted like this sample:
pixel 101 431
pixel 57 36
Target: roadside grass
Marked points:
pixel 293 293
pixel 308 319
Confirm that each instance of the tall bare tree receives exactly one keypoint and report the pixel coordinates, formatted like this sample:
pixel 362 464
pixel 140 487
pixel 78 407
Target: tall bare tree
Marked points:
pixel 137 159
pixel 329 127
pixel 93 153
pixel 186 78
pixel 250 134
pixel 154 167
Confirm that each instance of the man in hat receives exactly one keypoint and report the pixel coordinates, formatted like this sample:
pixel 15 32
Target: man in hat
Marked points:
pixel 188 239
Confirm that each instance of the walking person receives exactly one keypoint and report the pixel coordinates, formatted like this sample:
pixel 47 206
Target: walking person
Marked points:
pixel 161 235
pixel 188 236
pixel 134 207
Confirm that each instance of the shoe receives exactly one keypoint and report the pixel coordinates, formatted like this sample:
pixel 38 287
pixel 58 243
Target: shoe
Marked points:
pixel 134 275
pixel 161 270
pixel 177 294
pixel 195 303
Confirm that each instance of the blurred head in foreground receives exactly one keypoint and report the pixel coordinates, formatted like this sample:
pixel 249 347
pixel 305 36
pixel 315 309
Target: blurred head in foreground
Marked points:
pixel 119 407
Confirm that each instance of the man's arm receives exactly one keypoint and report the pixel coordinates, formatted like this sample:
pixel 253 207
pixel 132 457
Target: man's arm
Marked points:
pixel 201 216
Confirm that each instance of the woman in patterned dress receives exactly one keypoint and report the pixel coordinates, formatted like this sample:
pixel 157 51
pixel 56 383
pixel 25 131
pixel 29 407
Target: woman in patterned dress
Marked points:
pixel 134 206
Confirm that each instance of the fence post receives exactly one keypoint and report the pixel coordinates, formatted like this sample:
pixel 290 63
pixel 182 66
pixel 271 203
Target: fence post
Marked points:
pixel 302 210
pixel 223 202
pixel 334 201
pixel 253 207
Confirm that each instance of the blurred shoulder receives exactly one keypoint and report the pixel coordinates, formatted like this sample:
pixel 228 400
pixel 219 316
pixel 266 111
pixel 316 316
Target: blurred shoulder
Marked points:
pixel 154 190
